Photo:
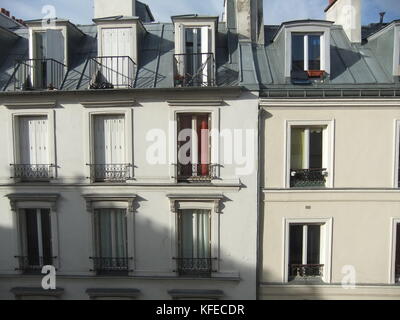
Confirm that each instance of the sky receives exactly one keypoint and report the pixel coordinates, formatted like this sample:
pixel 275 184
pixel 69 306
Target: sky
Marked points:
pixel 275 11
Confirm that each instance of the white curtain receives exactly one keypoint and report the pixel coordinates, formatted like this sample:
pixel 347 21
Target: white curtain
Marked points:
pixel 195 242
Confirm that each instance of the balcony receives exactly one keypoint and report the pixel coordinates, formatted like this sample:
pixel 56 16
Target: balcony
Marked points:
pixel 110 266
pixel 110 172
pixel 33 264
pixel 33 172
pixel 196 172
pixel 38 74
pixel 111 72
pixel 194 267
pixel 194 70
pixel 306 271
pixel 308 178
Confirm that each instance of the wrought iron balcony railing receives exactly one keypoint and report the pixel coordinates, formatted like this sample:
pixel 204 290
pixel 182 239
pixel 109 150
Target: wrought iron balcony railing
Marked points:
pixel 304 178
pixel 194 70
pixel 198 267
pixel 111 72
pixel 108 265
pixel 115 172
pixel 33 172
pixel 38 74
pixel 33 264
pixel 306 271
pixel 196 172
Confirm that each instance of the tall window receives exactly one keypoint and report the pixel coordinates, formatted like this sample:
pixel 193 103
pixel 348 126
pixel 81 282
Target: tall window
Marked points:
pixel 109 149
pixel 307 157
pixel 194 147
pixel 110 240
pixel 397 258
pixel 35 225
pixel 305 251
pixel 306 52
pixel 32 155
pixel 194 238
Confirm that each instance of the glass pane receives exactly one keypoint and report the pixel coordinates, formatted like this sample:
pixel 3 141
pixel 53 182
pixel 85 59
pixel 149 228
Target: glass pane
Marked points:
pixel 297 52
pixel 397 253
pixel 316 148
pixel 295 244
pixel 46 236
pixel 195 234
pixel 313 244
pixel 297 149
pixel 32 236
pixel 314 52
pixel 105 243
pixel 120 234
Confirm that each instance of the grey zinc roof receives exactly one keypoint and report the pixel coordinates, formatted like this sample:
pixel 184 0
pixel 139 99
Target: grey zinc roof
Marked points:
pixel 237 63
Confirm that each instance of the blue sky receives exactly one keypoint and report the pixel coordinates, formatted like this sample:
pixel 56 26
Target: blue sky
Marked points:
pixel 276 11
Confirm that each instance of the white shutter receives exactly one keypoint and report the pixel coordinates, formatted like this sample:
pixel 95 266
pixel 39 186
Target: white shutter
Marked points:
pixel 33 140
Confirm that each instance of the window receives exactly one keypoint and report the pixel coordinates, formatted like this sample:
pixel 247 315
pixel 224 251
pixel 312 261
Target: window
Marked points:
pixel 194 148
pixel 395 252
pixel 108 160
pixel 32 149
pixel 110 230
pixel 397 257
pixel 194 242
pixel 36 239
pixel 308 161
pixel 308 249
pixel 306 52
pixel 304 251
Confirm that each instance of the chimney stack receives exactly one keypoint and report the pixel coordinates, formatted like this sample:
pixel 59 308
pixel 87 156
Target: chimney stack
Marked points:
pixel 346 13
pixel 109 8
pixel 249 19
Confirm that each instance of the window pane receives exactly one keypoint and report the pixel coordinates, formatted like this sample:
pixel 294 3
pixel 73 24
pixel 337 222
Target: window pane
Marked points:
pixel 314 52
pixel 120 234
pixel 46 235
pixel 105 243
pixel 316 148
pixel 32 236
pixel 313 244
pixel 297 149
pixel 195 234
pixel 295 244
pixel 397 262
pixel 297 52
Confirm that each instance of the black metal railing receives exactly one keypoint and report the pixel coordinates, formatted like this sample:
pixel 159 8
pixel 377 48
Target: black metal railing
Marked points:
pixel 306 270
pixel 108 265
pixel 39 74
pixel 194 70
pixel 33 264
pixel 118 172
pixel 33 172
pixel 200 267
pixel 111 72
pixel 303 178
pixel 196 172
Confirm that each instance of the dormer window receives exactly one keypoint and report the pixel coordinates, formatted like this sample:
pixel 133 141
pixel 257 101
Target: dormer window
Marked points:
pixel 306 53
pixel 194 59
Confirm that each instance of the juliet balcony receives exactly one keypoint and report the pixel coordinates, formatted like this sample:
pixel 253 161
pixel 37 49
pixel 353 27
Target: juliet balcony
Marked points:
pixel 306 271
pixel 194 70
pixel 308 178
pixel 38 74
pixel 200 173
pixel 118 172
pixel 32 172
pixel 194 267
pixel 110 265
pixel 33 264
pixel 110 72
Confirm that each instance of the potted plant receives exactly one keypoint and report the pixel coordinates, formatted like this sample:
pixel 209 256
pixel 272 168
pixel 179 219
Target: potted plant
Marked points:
pixel 179 80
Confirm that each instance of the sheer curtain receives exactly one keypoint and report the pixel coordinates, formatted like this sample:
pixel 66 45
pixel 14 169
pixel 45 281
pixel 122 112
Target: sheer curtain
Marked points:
pixel 195 234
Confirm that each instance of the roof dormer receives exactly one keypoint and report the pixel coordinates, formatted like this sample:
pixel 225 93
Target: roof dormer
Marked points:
pixel 195 49
pixel 307 49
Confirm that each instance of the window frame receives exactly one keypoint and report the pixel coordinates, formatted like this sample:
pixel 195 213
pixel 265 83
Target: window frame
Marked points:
pixel 329 147
pixel 327 224
pixel 392 253
pixel 396 160
pixel 305 36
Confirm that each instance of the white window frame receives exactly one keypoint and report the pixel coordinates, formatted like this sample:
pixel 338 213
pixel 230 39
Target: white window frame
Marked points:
pixel 326 246
pixel 173 139
pixel 392 253
pixel 328 147
pixel 89 139
pixel 209 202
pixel 111 201
pixel 324 31
pixel 306 55
pixel 14 148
